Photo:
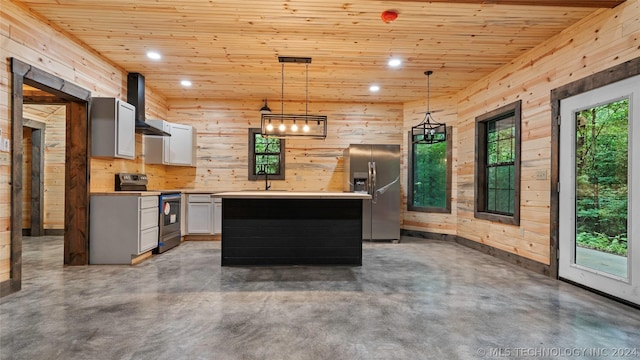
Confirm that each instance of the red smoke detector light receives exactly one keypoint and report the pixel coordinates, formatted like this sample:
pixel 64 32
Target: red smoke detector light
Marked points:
pixel 388 16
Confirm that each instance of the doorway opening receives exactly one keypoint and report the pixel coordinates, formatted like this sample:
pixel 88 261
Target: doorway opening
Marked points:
pixel 76 160
pixel 43 144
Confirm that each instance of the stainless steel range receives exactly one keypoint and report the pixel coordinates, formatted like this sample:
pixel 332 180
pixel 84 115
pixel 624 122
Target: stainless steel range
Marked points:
pixel 168 210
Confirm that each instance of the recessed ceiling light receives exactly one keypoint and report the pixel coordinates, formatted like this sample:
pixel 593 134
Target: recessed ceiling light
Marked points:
pixel 395 62
pixel 374 88
pixel 154 55
pixel 185 83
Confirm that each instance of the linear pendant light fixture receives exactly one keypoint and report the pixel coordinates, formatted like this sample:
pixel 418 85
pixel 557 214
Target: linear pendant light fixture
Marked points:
pixel 293 126
pixel 428 131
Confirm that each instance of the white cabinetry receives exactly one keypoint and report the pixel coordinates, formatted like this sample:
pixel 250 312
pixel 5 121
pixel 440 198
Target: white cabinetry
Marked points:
pixel 204 214
pixel 199 214
pixel 177 149
pixel 112 128
pixel 122 227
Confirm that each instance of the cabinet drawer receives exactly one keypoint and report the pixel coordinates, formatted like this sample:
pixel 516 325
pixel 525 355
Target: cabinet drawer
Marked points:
pixel 148 218
pixel 148 239
pixel 148 202
pixel 200 198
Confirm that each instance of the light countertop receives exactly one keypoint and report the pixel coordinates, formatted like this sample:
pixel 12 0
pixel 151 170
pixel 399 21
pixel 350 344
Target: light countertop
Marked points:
pixel 277 194
pixel 200 191
pixel 126 193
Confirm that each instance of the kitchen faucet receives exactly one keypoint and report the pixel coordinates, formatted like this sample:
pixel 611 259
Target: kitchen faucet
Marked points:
pixel 266 179
pixel 263 169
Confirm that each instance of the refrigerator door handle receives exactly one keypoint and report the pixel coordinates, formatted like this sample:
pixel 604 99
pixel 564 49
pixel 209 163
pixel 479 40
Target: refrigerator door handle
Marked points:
pixel 369 177
pixel 374 175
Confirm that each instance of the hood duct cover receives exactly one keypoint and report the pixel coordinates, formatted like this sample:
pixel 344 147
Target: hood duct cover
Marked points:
pixel 136 97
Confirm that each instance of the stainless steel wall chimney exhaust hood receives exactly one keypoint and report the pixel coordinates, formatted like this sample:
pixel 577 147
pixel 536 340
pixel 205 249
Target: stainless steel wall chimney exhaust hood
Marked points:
pixel 135 97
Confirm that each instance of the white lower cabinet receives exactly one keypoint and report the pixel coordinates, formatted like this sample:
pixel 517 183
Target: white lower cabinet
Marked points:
pixel 203 215
pixel 122 227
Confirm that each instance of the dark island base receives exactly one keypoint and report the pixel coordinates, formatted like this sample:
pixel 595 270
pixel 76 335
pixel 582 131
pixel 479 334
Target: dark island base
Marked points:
pixel 267 231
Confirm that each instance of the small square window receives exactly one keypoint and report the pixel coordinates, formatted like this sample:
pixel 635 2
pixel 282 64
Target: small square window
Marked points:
pixel 266 156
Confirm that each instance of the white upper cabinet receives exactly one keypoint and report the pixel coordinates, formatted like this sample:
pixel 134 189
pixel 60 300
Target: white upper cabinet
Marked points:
pixel 182 141
pixel 177 149
pixel 112 128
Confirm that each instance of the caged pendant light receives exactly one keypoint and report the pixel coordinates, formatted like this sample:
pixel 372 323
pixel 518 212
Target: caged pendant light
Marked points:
pixel 293 126
pixel 428 131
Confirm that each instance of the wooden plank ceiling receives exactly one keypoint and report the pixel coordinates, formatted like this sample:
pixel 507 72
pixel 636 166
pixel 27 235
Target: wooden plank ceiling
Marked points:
pixel 229 48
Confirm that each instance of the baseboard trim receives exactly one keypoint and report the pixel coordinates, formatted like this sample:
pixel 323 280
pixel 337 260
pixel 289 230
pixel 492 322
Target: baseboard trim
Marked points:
pixel 515 259
pixel 47 232
pixel 427 235
pixel 216 237
pixel 6 288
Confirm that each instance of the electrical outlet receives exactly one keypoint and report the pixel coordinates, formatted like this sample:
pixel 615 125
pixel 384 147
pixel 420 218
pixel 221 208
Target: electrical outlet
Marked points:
pixel 541 175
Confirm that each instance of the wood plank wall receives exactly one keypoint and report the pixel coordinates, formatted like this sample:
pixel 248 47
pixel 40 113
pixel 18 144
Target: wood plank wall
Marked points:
pixel 311 165
pixel 605 39
pixel 25 36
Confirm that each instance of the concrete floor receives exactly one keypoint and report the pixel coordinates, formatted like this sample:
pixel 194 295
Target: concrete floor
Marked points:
pixel 419 299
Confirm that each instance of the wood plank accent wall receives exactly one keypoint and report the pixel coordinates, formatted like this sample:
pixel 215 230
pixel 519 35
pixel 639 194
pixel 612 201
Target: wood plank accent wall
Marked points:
pixel 311 165
pixel 32 40
pixel 604 39
pixel 54 166
pixel 54 163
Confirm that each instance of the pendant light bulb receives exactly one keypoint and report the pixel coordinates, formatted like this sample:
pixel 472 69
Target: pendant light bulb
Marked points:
pixel 282 127
pixel 305 128
pixel 294 127
pixel 269 127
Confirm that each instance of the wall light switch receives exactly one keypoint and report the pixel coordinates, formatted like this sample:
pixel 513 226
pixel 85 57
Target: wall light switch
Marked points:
pixel 541 175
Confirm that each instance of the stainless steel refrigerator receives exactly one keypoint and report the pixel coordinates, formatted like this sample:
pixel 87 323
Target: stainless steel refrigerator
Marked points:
pixel 375 169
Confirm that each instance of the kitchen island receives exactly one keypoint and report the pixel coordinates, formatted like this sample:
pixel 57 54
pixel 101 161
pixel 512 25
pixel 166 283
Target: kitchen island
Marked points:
pixel 291 228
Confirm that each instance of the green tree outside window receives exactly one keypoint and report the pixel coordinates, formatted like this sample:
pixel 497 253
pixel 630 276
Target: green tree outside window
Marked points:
pixel 266 156
pixel 430 176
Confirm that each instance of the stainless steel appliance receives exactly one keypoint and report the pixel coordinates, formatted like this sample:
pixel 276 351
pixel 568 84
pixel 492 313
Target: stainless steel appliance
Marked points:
pixel 169 221
pixel 170 202
pixel 375 169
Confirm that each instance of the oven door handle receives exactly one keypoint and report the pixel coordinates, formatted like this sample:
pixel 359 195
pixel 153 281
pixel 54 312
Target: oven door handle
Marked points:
pixel 170 197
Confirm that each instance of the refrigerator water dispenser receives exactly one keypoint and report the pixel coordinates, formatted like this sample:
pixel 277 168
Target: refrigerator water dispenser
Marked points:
pixel 360 182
